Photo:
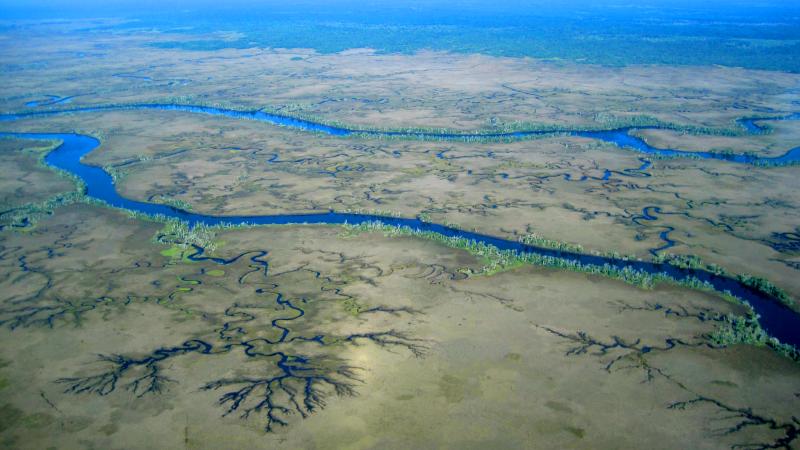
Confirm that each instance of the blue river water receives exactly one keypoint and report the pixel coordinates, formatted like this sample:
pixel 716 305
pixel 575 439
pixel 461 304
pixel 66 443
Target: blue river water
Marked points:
pixel 621 137
pixel 777 319
pixel 780 321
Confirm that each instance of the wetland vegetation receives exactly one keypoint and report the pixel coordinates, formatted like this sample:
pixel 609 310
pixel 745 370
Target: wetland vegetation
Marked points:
pixel 365 227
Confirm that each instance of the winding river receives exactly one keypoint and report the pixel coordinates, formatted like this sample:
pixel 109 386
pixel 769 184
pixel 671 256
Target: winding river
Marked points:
pixel 780 321
pixel 621 137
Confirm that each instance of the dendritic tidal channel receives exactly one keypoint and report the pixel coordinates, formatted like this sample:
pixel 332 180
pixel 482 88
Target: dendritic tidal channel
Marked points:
pixel 776 318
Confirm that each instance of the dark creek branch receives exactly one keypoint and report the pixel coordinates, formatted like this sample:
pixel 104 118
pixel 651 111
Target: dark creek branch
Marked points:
pixel 47 315
pixel 300 387
pixel 636 354
pixel 633 351
pixel 144 373
pixel 678 311
pixel 392 338
pixel 744 418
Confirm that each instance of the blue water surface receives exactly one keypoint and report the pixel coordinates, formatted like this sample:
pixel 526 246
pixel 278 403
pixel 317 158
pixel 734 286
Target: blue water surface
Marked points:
pixel 780 321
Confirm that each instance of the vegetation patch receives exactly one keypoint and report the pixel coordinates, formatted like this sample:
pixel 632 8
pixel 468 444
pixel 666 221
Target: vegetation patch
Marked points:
pixel 755 282
pixel 353 307
pixel 182 236
pixel 26 216
pixel 735 330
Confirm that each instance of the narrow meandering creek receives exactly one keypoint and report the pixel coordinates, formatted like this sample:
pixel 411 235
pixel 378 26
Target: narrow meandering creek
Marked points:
pixel 780 321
